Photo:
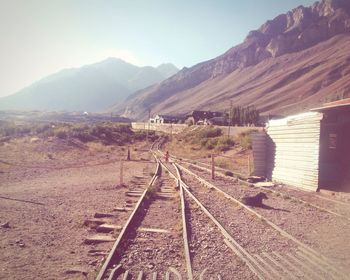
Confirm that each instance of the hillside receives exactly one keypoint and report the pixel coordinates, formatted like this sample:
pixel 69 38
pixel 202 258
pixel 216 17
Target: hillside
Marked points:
pixel 291 63
pixel 89 88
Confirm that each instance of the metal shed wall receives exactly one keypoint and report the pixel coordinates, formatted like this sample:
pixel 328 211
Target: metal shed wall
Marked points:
pixel 293 150
pixel 259 143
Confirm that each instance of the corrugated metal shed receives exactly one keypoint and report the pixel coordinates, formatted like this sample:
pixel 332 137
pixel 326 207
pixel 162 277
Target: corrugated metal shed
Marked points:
pixel 259 141
pixel 293 150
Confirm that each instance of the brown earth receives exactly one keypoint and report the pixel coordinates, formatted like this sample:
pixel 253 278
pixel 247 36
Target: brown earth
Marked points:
pixel 47 191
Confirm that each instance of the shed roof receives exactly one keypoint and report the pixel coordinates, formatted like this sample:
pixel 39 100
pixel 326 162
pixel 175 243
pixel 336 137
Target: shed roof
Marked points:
pixel 299 117
pixel 332 105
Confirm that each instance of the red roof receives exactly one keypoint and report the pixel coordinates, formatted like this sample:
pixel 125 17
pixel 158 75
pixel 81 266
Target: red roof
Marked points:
pixel 335 104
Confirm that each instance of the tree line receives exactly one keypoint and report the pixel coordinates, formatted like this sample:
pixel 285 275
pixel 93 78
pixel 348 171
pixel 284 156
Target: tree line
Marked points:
pixel 243 116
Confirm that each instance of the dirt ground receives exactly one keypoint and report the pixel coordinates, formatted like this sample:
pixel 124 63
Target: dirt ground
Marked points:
pixel 47 190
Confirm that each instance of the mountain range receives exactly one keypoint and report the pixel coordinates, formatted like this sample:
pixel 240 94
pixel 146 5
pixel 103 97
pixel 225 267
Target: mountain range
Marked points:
pixel 292 63
pixel 92 87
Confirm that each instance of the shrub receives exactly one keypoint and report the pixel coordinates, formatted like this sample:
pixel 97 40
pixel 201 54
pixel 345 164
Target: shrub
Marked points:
pixel 223 163
pixel 224 143
pixel 210 132
pixel 229 173
pixel 244 138
pixel 62 134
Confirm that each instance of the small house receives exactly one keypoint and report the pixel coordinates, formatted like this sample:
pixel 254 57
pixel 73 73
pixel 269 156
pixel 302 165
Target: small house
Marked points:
pixel 161 119
pixel 202 117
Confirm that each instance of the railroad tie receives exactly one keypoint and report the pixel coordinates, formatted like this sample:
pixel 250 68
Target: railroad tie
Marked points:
pixel 103 215
pixel 291 265
pixel 279 266
pixel 107 228
pixel 130 194
pixel 268 267
pixel 99 239
pixel 306 268
pixel 120 209
pixel 247 259
pixel 314 263
pixel 321 261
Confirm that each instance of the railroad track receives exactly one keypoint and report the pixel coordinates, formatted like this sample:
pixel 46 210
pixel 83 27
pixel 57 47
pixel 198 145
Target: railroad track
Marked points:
pixel 205 248
pixel 334 207
pixel 147 244
pixel 211 254
pixel 313 259
pixel 221 238
pixel 282 257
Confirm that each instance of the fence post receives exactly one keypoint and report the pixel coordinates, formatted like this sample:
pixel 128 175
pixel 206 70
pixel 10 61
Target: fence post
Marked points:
pixel 212 167
pixel 128 156
pixel 249 166
pixel 121 172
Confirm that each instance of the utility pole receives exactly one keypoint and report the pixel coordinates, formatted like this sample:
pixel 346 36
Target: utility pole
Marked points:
pixel 229 119
pixel 149 117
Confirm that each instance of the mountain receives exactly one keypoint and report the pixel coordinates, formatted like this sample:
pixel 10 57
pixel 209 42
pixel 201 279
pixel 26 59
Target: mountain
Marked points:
pixel 167 69
pixel 296 61
pixel 92 87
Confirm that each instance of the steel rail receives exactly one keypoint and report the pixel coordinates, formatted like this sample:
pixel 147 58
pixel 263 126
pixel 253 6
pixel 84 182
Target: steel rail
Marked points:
pixel 184 222
pixel 127 225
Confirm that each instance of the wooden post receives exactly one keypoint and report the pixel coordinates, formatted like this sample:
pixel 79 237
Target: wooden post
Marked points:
pixel 128 156
pixel 249 167
pixel 149 117
pixel 171 131
pixel 212 167
pixel 121 172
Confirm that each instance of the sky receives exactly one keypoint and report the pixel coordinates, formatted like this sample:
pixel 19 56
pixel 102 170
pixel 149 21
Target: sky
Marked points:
pixel 41 37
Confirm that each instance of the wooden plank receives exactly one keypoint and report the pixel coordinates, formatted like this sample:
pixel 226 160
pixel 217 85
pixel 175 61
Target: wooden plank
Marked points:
pixel 295 268
pixel 99 239
pixel 314 273
pixel 266 265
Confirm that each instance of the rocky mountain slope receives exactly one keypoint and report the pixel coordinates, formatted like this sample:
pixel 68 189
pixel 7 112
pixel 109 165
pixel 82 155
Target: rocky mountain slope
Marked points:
pixel 291 63
pixel 89 88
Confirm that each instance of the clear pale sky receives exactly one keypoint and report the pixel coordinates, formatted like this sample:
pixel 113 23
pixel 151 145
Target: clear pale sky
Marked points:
pixel 40 37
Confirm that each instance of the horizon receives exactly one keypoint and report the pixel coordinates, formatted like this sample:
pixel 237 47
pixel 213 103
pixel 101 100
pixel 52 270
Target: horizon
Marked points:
pixel 70 34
